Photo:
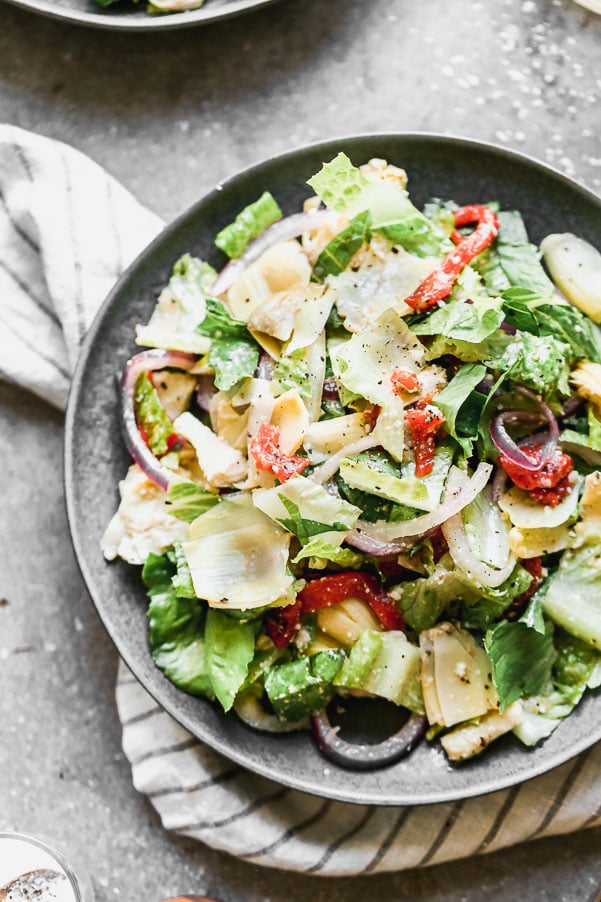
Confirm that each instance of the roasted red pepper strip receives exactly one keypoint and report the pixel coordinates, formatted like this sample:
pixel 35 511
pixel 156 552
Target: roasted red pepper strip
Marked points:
pixel 439 283
pixel 264 448
pixel 325 592
pixel 423 423
pixel 282 623
pixel 404 381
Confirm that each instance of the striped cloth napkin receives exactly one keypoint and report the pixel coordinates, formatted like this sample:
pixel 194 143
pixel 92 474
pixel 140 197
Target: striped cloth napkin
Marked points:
pixel 67 230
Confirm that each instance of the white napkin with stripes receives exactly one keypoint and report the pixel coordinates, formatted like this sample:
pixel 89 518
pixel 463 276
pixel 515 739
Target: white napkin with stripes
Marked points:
pixel 67 230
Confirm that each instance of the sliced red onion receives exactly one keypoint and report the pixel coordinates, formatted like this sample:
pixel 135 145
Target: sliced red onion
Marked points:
pixel 511 449
pixel 461 489
pixel 368 545
pixel 139 450
pixel 571 405
pixel 265 367
pixel 363 756
pixel 329 391
pixel 325 472
pixel 290 227
pixel 205 389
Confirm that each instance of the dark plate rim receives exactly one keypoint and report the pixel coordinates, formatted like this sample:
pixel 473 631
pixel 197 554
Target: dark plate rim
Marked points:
pixel 110 22
pixel 312 787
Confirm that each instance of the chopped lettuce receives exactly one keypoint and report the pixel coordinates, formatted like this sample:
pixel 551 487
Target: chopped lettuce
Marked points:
pixel 233 353
pixel 345 189
pixel 230 647
pixel 293 372
pixel 524 310
pixel 365 363
pixel 519 259
pixel 522 654
pixel 248 224
pixel 404 488
pixel 591 439
pixel 488 351
pixel 576 669
pixel 373 507
pixel 423 600
pixel 539 362
pixel 321 553
pixel 462 419
pixel 180 308
pixel 307 510
pixel 304 686
pixel 176 629
pixel 188 500
pixel 338 253
pixel 150 414
pixel 573 595
pixel 182 578
pixel 472 319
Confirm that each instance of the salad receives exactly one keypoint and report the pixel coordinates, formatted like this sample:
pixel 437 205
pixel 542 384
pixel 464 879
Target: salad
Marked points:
pixel 367 462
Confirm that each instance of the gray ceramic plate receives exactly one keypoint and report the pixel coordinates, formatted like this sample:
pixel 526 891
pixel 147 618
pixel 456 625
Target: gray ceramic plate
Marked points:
pixel 96 458
pixel 135 18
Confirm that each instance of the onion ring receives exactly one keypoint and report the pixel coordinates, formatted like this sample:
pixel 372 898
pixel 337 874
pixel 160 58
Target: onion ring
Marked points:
pixel 363 756
pixel 139 450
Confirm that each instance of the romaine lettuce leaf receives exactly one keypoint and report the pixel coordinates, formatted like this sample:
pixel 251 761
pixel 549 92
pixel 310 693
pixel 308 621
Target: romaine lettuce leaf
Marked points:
pixel 372 507
pixel 576 668
pixel 539 362
pixel 423 600
pixel 233 353
pixel 188 500
pixel 293 372
pixel 345 189
pixel 230 647
pixel 151 416
pixel 176 629
pixel 521 654
pixel 180 308
pixel 248 224
pixel 182 579
pixel 452 400
pixel 573 595
pixel 320 553
pixel 306 510
pixel 524 310
pixel 520 259
pixel 365 363
pixel 338 253
pixel 471 320
pixel 304 686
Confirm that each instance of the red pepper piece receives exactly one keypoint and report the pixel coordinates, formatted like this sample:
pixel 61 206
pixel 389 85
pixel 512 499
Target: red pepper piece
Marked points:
pixel 404 381
pixel 175 441
pixel 552 496
pixel 546 477
pixel 423 422
pixel 266 453
pixel 282 623
pixel 329 590
pixel 439 283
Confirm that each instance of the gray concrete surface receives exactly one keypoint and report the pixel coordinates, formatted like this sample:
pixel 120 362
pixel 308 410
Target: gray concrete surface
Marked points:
pixel 171 115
